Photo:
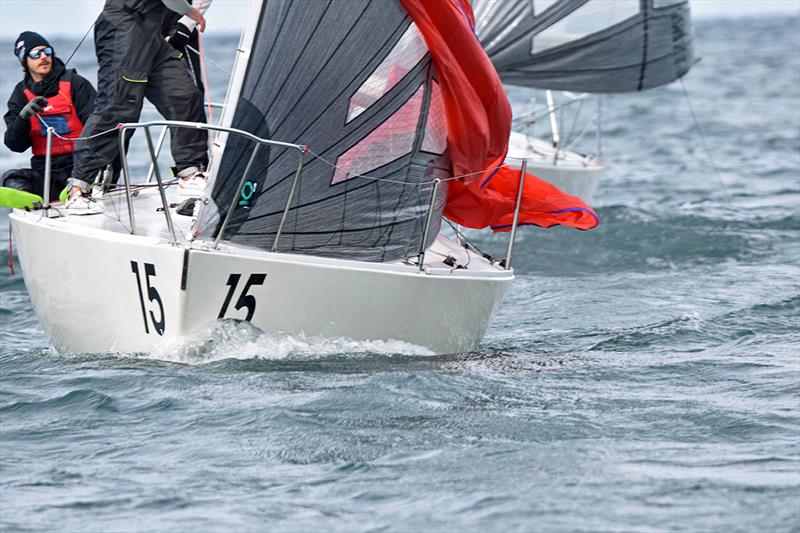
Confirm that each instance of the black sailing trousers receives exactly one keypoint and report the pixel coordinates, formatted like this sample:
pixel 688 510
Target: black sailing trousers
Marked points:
pixel 135 62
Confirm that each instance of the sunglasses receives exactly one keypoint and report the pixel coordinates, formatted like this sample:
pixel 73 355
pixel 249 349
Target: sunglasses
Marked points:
pixel 36 54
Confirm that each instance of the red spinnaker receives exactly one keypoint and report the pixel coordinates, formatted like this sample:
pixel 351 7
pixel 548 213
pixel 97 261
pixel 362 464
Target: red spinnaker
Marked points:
pixel 479 125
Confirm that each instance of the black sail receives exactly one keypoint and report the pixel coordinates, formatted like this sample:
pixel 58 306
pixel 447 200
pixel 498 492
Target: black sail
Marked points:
pixel 353 81
pixel 598 46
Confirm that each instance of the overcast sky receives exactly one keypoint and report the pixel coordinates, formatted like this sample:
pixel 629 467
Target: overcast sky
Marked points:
pixel 73 17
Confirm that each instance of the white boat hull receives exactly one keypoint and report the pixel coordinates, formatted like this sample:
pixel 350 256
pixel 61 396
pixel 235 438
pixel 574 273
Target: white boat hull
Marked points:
pixel 570 172
pixel 98 291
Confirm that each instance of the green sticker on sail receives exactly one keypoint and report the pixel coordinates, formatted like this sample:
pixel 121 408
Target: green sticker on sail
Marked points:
pixel 247 192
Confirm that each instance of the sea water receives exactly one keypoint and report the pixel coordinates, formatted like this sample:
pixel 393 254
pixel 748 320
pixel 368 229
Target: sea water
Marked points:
pixel 642 376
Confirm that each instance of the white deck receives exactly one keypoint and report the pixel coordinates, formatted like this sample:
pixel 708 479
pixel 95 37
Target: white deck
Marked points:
pixel 149 218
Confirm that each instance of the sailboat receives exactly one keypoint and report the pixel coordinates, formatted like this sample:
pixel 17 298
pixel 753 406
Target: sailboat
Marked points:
pixel 337 156
pixel 554 157
pixel 584 47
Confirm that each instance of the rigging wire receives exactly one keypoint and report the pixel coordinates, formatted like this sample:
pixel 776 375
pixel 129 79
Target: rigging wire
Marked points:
pixel 705 144
pixel 213 63
pixel 465 243
pixel 210 119
pixel 79 44
pixel 575 116
pixel 591 122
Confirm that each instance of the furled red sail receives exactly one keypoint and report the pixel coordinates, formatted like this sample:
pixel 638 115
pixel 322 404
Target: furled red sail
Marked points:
pixel 543 204
pixel 479 124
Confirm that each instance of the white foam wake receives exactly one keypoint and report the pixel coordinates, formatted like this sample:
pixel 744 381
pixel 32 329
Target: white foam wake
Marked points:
pixel 240 340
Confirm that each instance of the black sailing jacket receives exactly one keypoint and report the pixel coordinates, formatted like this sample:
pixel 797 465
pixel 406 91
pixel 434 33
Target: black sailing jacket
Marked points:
pixel 18 129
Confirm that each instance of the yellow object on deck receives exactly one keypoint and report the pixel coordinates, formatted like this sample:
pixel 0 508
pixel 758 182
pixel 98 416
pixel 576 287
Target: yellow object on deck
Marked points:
pixel 16 199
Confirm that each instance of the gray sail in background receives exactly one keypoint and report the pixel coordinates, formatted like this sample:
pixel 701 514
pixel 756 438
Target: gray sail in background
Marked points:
pixel 597 46
pixel 353 81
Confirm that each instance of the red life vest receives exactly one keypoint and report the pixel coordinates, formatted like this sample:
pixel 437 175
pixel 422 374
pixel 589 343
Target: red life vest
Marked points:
pixel 62 116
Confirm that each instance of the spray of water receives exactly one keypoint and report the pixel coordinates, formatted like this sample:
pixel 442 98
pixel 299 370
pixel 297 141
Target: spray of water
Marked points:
pixel 230 339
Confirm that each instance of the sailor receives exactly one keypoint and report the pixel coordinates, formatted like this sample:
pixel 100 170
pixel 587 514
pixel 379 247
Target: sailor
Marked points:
pixel 62 99
pixel 135 62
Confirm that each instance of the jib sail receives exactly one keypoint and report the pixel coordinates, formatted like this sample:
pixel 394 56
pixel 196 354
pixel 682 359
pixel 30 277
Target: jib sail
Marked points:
pixel 353 81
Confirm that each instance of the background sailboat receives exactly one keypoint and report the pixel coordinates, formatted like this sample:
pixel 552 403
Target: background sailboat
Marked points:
pixel 582 46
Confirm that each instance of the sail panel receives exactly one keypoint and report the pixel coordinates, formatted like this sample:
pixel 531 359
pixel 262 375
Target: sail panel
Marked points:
pixel 589 18
pixel 392 140
pixel 406 54
pixel 435 140
pixel 598 46
pixel 347 79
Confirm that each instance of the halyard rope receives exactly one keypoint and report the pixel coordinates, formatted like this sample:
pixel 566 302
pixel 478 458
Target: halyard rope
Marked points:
pixel 207 90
